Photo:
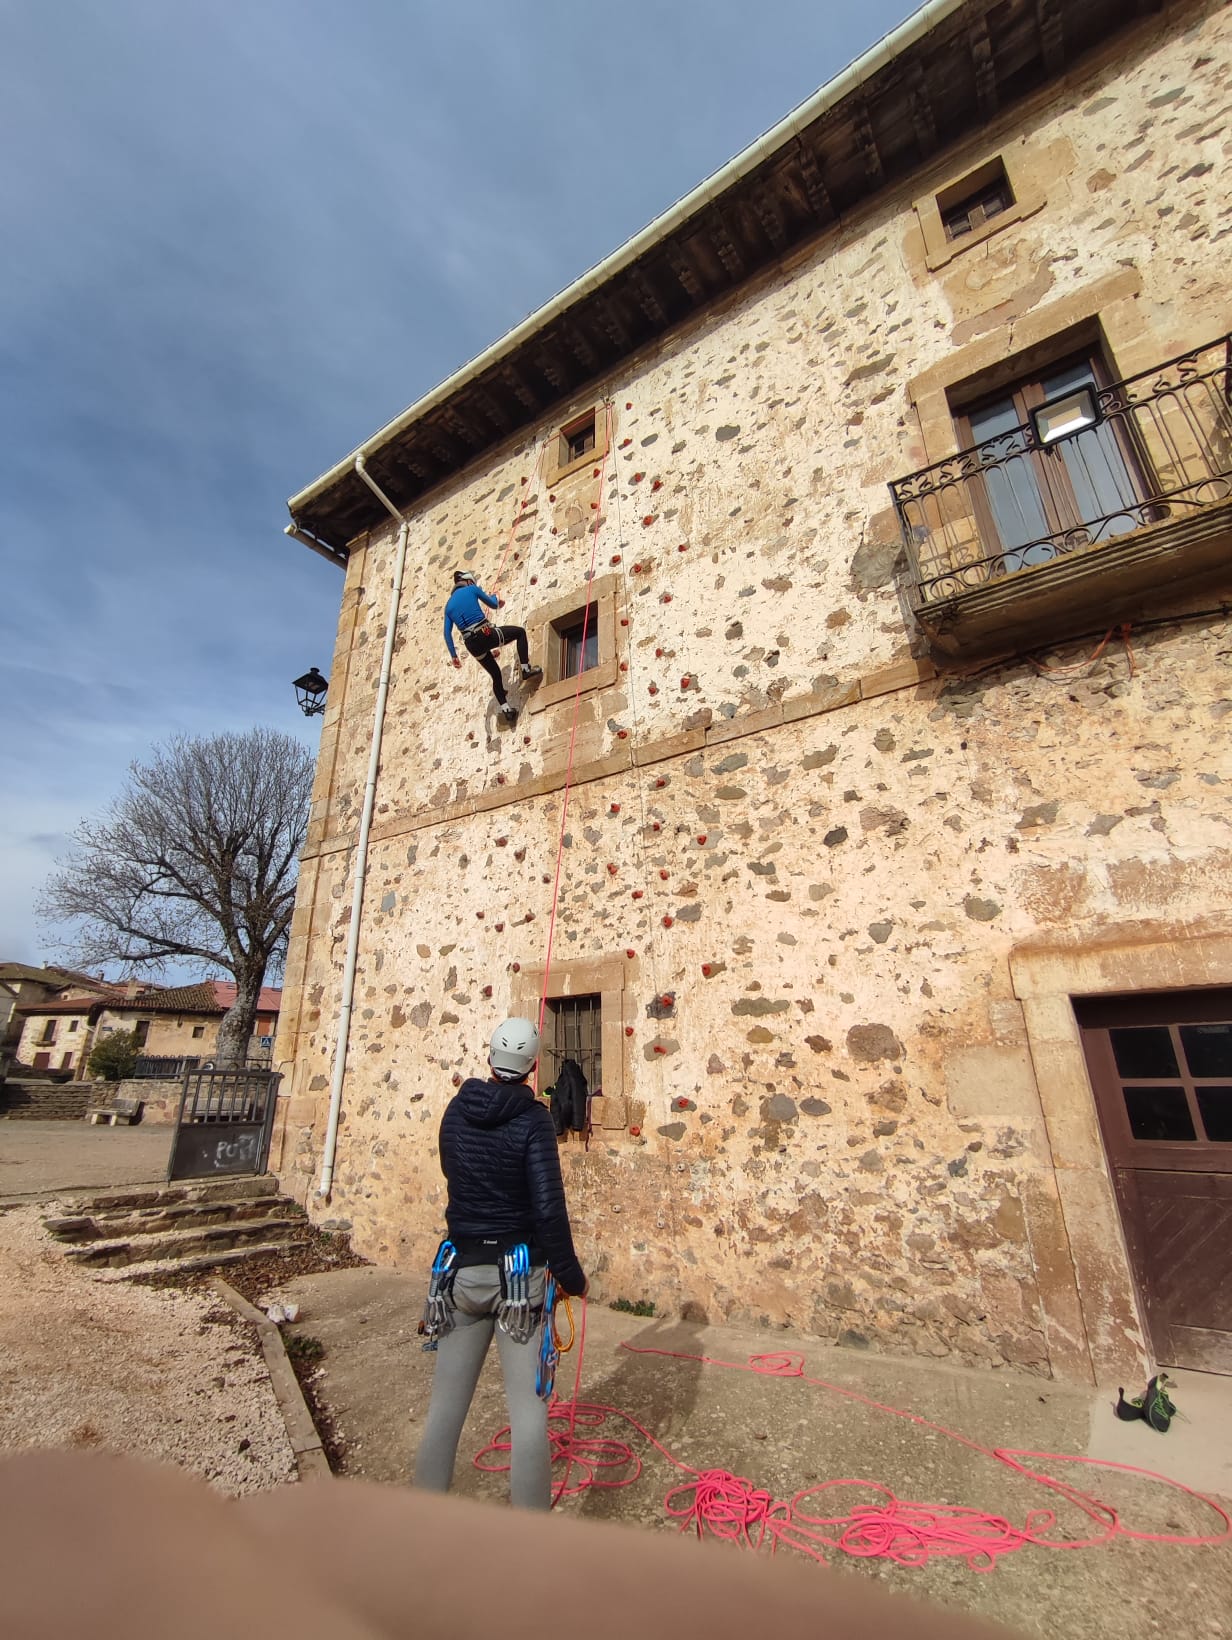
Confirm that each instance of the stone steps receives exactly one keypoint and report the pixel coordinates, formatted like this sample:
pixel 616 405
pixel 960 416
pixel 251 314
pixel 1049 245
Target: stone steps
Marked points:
pixel 185 1227
pixel 150 1221
pixel 182 1244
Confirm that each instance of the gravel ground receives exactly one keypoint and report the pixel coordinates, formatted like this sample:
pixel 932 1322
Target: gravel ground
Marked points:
pixel 168 1375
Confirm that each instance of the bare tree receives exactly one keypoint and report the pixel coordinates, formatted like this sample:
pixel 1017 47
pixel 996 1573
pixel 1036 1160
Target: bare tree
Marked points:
pixel 196 858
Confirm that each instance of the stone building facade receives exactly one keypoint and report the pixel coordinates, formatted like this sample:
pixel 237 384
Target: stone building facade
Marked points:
pixel 872 803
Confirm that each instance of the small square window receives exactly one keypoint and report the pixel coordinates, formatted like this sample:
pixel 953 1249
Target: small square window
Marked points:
pixel 198 1031
pixel 576 644
pixel 977 199
pixel 577 443
pixel 579 439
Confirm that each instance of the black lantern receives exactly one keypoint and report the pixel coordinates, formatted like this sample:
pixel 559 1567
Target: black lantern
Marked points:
pixel 310 692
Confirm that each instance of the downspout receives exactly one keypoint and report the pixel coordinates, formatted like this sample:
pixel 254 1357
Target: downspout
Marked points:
pixel 361 846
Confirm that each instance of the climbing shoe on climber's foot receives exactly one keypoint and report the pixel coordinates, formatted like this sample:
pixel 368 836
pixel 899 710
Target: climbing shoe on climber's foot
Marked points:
pixel 529 671
pixel 508 714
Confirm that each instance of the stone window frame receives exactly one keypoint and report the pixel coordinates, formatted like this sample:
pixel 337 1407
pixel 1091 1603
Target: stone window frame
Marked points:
pixel 603 977
pixel 1088 1296
pixel 541 630
pixel 1020 169
pixel 1107 309
pixel 559 465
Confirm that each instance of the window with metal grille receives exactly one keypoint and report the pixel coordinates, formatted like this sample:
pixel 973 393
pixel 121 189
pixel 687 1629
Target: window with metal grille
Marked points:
pixel 975 200
pixel 573 1029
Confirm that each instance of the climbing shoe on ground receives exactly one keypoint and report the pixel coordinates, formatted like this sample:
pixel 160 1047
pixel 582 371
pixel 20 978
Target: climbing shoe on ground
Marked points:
pixel 509 714
pixel 529 671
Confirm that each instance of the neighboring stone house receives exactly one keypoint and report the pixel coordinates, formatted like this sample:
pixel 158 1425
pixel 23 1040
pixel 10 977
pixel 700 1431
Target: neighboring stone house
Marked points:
pixel 57 1029
pixel 176 1025
pixel 894 893
pixel 181 1022
pixel 20 985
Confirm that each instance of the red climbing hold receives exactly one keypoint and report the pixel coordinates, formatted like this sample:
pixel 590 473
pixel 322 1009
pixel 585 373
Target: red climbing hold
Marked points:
pixel 668 921
pixel 666 598
pixel 624 666
pixel 647 521
pixel 516 966
pixel 635 1132
pixel 701 838
pixel 502 842
pixel 653 689
pixel 658 654
pixel 662 874
pixel 615 557
pixel 456 1080
pixel 655 826
pixel 595 474
pixel 479 914
pixel 500 780
pixel 637 569
pixel 613 808
pixel 659 1048
pixel 625 443
pixel 499 927
pixel 534 580
pixel 594 506
pixel 637 478
pixel 530 915
pixel 551 498
pixel 661 781
pixel 487 990
pixel 628 404
pixel 638 893
pixel 683 547
pixel 630 952
pixel 622 734
pixel 624 620
pixel 612 869
pixel 628 1030
pixel 686 681
pixel 707 970
pixel 668 999
pixel 657 485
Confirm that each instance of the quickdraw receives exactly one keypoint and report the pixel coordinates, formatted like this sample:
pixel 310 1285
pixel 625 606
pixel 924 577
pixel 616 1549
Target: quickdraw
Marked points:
pixel 438 1311
pixel 514 1315
pixel 550 1347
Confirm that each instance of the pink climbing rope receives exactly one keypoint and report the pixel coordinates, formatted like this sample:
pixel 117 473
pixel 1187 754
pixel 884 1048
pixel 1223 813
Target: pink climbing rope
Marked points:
pixel 716 1503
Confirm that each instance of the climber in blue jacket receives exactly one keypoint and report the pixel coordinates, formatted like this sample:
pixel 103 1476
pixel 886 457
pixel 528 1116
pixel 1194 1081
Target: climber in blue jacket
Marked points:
pixel 466 611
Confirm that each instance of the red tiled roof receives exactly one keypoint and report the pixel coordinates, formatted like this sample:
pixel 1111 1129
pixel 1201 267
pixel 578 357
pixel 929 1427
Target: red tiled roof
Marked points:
pixel 210 996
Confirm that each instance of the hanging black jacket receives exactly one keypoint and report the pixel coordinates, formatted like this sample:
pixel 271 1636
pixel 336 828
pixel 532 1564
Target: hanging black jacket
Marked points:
pixel 570 1103
pixel 499 1158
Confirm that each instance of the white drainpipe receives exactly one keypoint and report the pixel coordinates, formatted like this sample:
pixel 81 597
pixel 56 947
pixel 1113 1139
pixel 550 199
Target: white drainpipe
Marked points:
pixel 361 846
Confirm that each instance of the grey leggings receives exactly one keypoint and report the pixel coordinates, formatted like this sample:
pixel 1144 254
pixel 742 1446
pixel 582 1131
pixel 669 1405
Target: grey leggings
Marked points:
pixel 459 1357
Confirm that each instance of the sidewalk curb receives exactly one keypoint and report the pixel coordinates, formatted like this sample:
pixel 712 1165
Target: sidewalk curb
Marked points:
pixel 310 1460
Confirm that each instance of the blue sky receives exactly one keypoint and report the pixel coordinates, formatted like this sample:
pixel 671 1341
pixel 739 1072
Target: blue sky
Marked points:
pixel 238 239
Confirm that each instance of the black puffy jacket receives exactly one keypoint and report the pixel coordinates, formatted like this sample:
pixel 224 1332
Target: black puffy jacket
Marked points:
pixel 499 1158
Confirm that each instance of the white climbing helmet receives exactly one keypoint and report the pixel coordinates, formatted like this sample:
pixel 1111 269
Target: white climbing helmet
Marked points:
pixel 514 1047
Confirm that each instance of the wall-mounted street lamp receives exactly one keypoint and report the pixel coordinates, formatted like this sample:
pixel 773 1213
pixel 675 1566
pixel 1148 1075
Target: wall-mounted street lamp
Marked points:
pixel 310 692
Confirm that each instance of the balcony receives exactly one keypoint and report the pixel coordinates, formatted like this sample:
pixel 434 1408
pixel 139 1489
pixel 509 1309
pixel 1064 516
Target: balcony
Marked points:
pixel 1105 505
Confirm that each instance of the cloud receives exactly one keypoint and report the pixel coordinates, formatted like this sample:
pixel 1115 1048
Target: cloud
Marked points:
pixel 238 240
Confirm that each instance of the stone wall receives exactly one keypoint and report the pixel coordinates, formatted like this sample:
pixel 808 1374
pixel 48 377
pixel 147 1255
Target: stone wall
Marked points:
pixel 802 860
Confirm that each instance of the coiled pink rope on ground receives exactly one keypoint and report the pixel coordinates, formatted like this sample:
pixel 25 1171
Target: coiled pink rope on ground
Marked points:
pixel 716 1503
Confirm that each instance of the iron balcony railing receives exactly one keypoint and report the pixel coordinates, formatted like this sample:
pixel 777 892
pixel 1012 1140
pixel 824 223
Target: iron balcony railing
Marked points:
pixel 1085 468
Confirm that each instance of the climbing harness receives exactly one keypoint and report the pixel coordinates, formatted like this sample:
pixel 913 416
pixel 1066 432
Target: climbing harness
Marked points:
pixel 514 1315
pixel 438 1311
pixel 550 1347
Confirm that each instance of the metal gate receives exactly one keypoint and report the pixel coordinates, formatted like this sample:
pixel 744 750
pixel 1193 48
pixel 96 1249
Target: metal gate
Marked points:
pixel 224 1123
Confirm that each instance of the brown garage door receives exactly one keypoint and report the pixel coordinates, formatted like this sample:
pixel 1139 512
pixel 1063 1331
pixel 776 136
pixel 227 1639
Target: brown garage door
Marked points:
pixel 1161 1068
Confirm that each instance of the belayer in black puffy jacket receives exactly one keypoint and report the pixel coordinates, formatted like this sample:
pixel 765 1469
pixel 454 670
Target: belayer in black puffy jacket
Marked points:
pixel 499 1157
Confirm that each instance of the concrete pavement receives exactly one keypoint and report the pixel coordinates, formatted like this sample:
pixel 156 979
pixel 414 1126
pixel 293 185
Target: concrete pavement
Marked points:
pixel 785 1434
pixel 40 1158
